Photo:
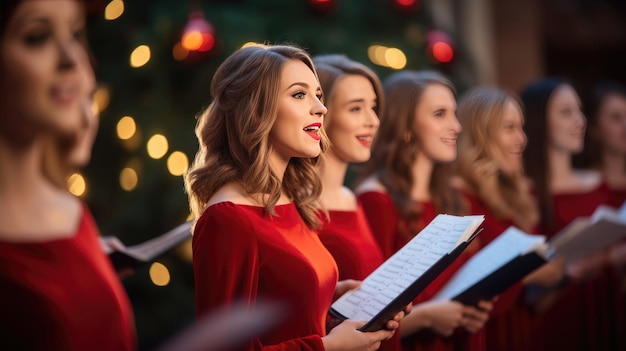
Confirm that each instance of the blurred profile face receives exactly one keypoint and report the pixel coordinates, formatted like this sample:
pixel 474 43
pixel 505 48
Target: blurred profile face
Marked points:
pixel 510 139
pixel 610 127
pixel 296 131
pixel 566 122
pixel 44 68
pixel 352 122
pixel 436 125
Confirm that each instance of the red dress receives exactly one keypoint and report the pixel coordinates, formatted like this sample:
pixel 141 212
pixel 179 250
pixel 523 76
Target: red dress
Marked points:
pixel 391 233
pixel 510 325
pixel 63 295
pixel 242 254
pixel 578 319
pixel 348 237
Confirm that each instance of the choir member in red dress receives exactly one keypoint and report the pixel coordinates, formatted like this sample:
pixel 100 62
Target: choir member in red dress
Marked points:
pixel 555 126
pixel 490 174
pixel 354 97
pixel 606 137
pixel 605 150
pixel 59 290
pixel 406 183
pixel 254 188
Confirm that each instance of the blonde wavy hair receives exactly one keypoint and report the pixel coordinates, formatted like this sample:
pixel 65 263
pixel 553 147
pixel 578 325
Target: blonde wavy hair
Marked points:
pixel 234 135
pixel 393 153
pixel 507 196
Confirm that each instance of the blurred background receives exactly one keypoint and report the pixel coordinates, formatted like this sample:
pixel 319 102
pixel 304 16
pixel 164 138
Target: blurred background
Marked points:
pixel 155 60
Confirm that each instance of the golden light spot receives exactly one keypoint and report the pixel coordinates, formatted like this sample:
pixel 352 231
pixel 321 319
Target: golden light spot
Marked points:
pixel 76 184
pixel 128 179
pixel 177 163
pixel 395 58
pixel 114 10
pixel 140 56
pixel 159 274
pixel 157 146
pixel 126 128
pixel 101 98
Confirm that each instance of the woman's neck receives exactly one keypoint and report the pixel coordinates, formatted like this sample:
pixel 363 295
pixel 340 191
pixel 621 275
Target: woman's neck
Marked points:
pixel 560 166
pixel 614 168
pixel 333 175
pixel 422 171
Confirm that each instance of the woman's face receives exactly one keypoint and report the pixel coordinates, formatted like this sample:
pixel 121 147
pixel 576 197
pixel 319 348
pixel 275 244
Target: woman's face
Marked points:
pixel 510 139
pixel 45 70
pixel 352 122
pixel 566 122
pixel 610 127
pixel 296 131
pixel 436 125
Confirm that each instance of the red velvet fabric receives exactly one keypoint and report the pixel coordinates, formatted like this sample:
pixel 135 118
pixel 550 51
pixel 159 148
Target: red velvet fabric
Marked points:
pixel 348 237
pixel 63 295
pixel 242 254
pixel 510 325
pixel 579 318
pixel 391 232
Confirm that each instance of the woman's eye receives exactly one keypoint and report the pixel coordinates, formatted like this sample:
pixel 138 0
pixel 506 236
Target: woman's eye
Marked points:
pixel 36 38
pixel 299 95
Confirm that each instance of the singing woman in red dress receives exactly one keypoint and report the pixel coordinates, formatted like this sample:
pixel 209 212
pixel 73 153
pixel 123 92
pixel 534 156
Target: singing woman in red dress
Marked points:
pixel 254 187
pixel 605 150
pixel 490 174
pixel 58 289
pixel 406 183
pixel 555 126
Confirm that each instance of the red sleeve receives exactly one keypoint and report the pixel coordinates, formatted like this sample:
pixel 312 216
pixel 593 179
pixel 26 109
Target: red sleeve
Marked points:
pixel 383 219
pixel 225 272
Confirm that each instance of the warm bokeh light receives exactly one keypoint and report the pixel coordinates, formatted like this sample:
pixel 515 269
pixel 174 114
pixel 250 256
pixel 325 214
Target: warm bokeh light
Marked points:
pixel 179 52
pixel 395 58
pixel 191 40
pixel 76 184
pixel 159 274
pixel 442 52
pixel 128 179
pixel 406 2
pixel 102 97
pixel 126 128
pixel 140 56
pixel 177 163
pixel 114 10
pixel 157 146
pixel 388 57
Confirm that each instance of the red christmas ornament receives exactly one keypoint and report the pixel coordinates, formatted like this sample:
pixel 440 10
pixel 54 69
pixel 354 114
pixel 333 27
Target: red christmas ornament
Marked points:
pixel 322 6
pixel 198 34
pixel 406 6
pixel 440 47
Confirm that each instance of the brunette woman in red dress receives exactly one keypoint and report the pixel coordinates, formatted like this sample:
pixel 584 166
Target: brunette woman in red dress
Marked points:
pixel 406 183
pixel 59 290
pixel 354 97
pixel 606 138
pixel 254 189
pixel 491 176
pixel 555 126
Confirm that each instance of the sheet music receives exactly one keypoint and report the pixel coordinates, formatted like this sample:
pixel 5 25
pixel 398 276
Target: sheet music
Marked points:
pixel 508 245
pixel 402 269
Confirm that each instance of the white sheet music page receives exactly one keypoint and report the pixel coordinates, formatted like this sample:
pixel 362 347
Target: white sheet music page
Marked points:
pixel 508 245
pixel 402 269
